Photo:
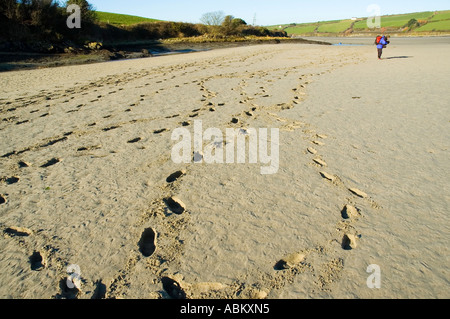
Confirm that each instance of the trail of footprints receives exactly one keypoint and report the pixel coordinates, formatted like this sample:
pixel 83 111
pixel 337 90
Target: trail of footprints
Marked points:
pixel 159 243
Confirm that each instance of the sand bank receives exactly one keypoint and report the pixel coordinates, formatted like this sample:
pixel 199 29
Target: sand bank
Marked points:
pixel 88 178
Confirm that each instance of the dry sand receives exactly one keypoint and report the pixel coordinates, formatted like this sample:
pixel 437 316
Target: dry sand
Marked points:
pixel 363 176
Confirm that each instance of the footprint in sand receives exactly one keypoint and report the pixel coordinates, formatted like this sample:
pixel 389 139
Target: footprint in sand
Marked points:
pixel 18 231
pixel 320 162
pixel 147 243
pixel 290 261
pixel 66 292
pixel 319 143
pixel 37 261
pixel 173 288
pixel 23 164
pixel 175 205
pixel 327 176
pixel 160 131
pixel 108 128
pixel 100 290
pixel 349 242
pixel 349 212
pixel 138 139
pixel 10 180
pixel 51 162
pixel 312 150
pixel 175 176
pixel 358 193
pixel 89 148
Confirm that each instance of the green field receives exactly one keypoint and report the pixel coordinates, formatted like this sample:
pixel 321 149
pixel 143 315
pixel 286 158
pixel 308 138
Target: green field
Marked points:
pixel 443 15
pixel 336 27
pixel 395 21
pixel 301 29
pixel 435 26
pixel 121 19
pixel 399 21
pixel 431 22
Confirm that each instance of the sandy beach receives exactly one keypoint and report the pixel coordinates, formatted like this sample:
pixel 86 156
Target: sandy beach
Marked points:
pixel 89 189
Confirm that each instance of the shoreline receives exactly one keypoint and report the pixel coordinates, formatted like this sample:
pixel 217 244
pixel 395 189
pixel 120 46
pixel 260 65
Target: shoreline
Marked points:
pixel 14 61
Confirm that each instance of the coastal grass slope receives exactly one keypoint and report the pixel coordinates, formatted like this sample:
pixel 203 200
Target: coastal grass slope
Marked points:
pixel 410 23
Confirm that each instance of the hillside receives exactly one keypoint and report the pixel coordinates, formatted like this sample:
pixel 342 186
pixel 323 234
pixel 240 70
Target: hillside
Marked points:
pixel 121 19
pixel 411 23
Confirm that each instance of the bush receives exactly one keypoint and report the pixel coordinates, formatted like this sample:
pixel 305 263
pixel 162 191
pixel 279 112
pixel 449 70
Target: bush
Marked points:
pixel 413 23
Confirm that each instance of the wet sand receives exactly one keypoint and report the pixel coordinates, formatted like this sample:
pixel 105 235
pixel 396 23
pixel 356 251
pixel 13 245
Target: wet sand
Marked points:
pixel 88 179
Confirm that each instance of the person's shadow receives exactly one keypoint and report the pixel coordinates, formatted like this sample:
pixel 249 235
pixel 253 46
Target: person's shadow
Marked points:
pixel 398 57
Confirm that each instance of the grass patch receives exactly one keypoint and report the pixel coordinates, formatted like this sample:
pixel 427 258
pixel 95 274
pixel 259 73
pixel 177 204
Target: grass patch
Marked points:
pixel 336 27
pixel 442 15
pixel 436 26
pixel 360 25
pixel 121 19
pixel 301 29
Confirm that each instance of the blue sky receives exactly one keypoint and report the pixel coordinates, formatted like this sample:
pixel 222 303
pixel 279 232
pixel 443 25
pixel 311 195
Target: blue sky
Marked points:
pixel 267 12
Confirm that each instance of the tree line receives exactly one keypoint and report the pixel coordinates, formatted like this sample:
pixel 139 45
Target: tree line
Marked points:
pixel 41 25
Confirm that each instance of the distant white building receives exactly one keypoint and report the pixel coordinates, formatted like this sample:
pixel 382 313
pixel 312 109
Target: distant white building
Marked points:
pixel 354 19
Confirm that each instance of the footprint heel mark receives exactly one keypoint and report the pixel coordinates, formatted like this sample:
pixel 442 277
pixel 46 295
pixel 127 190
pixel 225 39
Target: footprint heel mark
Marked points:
pixel 147 243
pixel 175 176
pixel 3 199
pixel 175 205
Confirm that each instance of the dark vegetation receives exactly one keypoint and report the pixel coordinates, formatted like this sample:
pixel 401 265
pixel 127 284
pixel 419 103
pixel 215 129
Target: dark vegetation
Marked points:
pixel 41 26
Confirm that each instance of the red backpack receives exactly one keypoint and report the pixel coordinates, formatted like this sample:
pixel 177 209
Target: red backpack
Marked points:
pixel 378 40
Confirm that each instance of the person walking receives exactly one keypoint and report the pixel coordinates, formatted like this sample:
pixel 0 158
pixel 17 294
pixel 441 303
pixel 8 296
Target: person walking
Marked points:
pixel 382 42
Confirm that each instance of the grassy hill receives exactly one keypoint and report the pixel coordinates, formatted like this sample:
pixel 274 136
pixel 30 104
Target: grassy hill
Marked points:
pixel 121 19
pixel 425 22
